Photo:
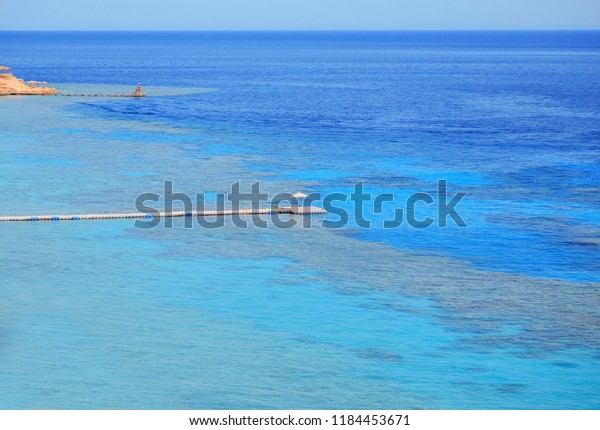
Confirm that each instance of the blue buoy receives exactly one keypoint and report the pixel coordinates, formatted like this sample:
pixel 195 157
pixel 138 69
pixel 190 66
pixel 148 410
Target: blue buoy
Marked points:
pixel 34 218
pixel 189 214
pixel 55 218
pixel 149 216
pixel 75 218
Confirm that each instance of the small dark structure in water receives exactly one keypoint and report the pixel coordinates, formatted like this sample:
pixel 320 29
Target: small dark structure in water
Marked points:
pixel 138 92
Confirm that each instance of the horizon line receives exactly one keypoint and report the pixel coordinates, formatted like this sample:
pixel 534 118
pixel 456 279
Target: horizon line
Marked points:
pixel 304 30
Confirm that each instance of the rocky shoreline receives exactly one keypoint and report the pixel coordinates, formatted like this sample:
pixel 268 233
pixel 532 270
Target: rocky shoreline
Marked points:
pixel 10 85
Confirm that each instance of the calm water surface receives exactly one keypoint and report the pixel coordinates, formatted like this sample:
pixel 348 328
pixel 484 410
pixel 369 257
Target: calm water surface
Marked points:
pixel 502 314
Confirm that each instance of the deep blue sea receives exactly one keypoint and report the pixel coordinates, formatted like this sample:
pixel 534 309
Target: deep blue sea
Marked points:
pixel 503 314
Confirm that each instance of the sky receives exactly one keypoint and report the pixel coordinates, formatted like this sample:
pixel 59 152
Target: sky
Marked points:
pixel 298 14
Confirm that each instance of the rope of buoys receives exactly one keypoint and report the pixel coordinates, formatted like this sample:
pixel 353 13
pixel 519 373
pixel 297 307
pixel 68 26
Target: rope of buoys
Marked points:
pixel 289 210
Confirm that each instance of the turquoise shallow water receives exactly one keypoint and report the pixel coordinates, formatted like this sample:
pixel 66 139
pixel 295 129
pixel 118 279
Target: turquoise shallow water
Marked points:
pixel 503 314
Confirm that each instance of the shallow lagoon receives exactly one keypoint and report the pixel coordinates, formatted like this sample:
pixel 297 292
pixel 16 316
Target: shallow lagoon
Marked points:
pixel 500 315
